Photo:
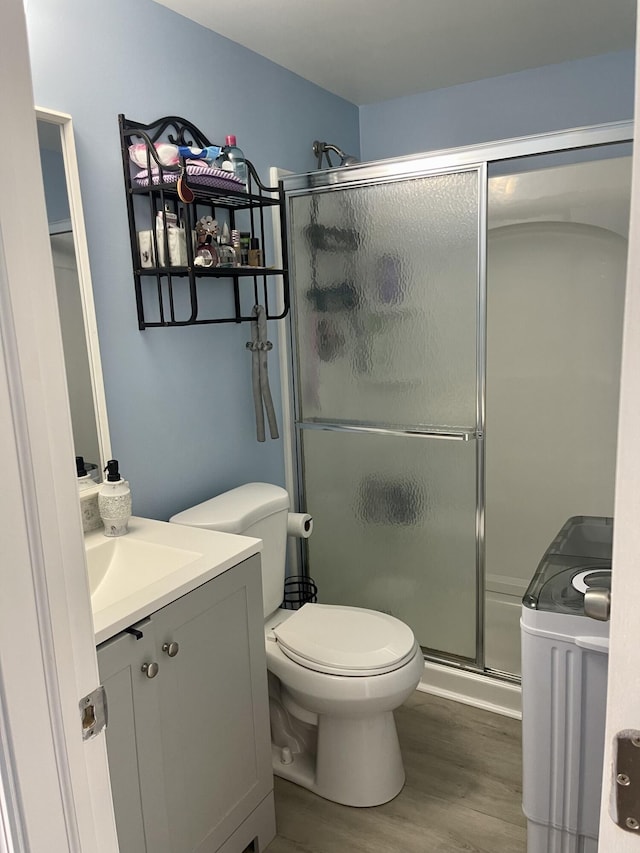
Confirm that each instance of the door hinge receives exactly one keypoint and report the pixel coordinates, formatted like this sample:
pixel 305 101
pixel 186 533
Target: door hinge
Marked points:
pixel 625 802
pixel 93 713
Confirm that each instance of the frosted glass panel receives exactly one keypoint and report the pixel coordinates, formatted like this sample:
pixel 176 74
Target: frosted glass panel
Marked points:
pixel 385 280
pixel 394 530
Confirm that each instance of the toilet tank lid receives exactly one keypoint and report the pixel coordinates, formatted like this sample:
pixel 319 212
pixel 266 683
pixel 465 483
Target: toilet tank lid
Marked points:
pixel 236 510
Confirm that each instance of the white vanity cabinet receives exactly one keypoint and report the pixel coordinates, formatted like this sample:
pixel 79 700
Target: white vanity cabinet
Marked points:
pixel 188 729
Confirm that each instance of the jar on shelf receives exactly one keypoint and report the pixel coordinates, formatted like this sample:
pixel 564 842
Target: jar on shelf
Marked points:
pixel 207 253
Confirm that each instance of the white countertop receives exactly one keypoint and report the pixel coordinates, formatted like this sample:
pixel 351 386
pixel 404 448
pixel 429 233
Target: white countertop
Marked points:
pixel 124 597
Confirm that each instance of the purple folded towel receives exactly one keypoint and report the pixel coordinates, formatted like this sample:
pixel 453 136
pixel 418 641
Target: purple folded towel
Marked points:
pixel 197 174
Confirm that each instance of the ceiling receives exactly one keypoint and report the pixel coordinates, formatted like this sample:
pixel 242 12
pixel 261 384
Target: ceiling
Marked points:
pixel 372 50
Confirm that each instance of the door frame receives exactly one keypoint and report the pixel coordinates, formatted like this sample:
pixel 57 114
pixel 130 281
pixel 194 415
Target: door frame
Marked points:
pixel 54 787
pixel 623 691
pixel 294 556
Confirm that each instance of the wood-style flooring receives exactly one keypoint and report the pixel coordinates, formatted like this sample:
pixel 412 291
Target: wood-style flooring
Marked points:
pixel 462 795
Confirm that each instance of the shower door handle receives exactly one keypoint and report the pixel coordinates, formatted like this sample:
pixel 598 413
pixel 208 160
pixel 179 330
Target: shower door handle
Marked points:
pixel 448 433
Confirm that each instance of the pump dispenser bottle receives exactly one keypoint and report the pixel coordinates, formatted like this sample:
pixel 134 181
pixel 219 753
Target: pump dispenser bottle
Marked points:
pixel 88 493
pixel 114 501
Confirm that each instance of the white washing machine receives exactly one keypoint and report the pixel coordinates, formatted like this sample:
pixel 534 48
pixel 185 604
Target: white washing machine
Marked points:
pixel 564 686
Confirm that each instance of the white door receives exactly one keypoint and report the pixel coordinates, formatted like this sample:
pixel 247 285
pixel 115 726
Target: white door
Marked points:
pixel 54 789
pixel 623 699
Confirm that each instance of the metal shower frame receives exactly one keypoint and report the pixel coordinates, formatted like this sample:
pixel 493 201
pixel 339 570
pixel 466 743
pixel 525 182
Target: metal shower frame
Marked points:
pixel 468 158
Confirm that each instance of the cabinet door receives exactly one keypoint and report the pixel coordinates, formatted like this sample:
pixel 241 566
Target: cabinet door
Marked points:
pixel 133 742
pixel 214 709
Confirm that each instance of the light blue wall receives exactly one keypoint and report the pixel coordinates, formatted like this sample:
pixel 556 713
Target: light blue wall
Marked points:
pixel 554 97
pixel 179 400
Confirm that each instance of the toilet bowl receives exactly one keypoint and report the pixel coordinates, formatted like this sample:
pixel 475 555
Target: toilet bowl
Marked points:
pixel 334 731
pixel 336 674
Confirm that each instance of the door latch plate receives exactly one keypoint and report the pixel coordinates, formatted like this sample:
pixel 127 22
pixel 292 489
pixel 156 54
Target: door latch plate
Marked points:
pixel 625 803
pixel 93 713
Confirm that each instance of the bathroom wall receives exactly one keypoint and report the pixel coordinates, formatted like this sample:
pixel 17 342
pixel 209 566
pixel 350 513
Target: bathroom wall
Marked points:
pixel 179 400
pixel 554 97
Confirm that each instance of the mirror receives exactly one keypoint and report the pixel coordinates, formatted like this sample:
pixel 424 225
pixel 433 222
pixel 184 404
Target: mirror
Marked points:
pixel 74 289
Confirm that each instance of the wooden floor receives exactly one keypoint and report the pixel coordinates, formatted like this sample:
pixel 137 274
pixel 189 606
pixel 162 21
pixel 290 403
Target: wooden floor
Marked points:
pixel 462 795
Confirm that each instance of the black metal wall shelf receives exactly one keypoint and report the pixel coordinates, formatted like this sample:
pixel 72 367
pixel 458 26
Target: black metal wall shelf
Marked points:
pixel 187 294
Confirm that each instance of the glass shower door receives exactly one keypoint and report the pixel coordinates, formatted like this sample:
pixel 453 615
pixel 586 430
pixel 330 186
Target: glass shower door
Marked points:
pixel 385 277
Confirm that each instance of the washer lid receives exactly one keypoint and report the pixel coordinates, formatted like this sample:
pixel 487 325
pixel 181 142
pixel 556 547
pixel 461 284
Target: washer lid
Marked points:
pixel 578 558
pixel 348 640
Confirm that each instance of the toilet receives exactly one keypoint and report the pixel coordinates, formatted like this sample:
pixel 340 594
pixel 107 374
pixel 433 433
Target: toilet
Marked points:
pixel 336 674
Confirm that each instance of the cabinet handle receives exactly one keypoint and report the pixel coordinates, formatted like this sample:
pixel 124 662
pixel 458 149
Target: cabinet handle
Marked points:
pixel 150 669
pixel 171 649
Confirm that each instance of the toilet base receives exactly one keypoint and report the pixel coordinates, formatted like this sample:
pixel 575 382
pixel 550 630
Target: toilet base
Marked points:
pixel 358 761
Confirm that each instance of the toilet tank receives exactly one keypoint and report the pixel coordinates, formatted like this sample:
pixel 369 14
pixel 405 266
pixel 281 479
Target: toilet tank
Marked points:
pixel 255 509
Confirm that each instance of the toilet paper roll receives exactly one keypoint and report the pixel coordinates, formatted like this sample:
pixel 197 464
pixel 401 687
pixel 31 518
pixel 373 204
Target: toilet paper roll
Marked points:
pixel 299 524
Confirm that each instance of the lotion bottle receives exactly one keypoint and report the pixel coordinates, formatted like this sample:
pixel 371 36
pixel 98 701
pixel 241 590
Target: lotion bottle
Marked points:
pixel 114 501
pixel 88 493
pixel 256 258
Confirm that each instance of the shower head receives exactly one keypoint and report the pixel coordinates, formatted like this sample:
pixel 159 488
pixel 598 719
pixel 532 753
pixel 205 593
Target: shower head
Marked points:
pixel 322 149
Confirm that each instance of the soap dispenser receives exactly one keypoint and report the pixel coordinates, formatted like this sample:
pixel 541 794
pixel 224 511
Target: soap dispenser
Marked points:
pixel 88 493
pixel 114 501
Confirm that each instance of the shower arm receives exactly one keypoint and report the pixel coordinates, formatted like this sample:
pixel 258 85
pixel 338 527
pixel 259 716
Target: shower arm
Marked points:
pixel 321 150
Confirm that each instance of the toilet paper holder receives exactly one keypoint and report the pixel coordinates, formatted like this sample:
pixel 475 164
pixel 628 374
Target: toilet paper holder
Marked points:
pixel 299 589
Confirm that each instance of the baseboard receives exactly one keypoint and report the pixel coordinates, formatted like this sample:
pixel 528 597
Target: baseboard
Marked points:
pixel 471 688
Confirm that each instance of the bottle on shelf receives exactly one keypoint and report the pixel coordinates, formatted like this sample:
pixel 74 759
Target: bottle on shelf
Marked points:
pixel 256 258
pixel 207 253
pixel 245 244
pixel 235 242
pixel 233 160
pixel 226 252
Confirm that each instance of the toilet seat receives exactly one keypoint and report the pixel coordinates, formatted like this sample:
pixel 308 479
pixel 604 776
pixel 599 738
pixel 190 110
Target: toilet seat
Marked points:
pixel 346 641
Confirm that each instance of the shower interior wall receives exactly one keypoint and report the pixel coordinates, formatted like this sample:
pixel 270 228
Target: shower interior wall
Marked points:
pixel 556 262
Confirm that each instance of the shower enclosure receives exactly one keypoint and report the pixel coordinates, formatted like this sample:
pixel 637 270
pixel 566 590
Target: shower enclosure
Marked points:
pixel 456 330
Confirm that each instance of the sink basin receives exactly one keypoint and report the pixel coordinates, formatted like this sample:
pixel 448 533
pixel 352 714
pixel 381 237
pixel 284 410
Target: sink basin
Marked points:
pixel 132 576
pixel 130 564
